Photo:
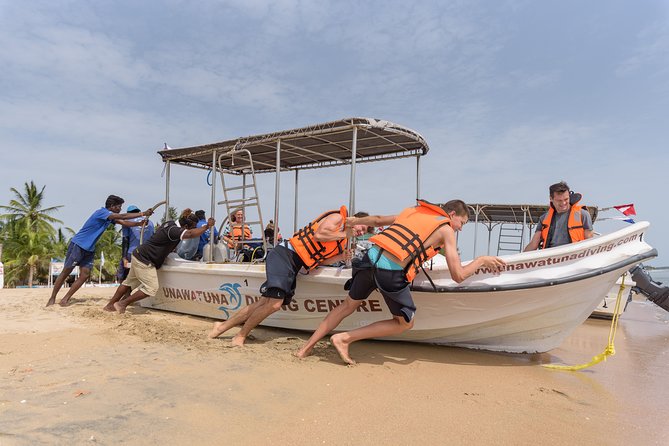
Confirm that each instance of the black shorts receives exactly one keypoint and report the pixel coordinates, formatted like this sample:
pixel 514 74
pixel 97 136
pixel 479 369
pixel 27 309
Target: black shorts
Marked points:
pixel 392 285
pixel 281 268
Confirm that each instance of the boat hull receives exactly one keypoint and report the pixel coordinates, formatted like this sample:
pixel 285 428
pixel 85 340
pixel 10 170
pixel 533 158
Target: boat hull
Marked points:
pixel 531 307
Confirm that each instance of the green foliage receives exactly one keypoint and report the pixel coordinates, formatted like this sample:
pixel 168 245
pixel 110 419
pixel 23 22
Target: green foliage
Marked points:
pixel 110 244
pixel 26 209
pixel 172 214
pixel 28 237
pixel 28 254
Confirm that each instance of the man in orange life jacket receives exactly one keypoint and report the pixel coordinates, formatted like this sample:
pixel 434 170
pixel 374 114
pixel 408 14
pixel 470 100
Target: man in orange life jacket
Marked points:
pixel 321 242
pixel 566 221
pixel 414 236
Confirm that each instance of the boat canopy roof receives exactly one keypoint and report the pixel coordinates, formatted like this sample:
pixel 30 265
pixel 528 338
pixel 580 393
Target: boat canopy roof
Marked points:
pixel 320 145
pixel 513 213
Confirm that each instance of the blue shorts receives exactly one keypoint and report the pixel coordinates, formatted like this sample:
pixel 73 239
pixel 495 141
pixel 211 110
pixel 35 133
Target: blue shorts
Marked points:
pixel 76 256
pixel 281 266
pixel 392 284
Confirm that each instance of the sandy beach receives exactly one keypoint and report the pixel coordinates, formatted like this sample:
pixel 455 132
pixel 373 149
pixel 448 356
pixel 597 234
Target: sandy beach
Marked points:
pixel 79 375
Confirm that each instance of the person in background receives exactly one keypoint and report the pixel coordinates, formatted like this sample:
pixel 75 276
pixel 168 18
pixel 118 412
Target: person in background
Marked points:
pixel 567 221
pixel 204 238
pixel 132 237
pixel 81 250
pixel 187 249
pixel 269 234
pixel 236 230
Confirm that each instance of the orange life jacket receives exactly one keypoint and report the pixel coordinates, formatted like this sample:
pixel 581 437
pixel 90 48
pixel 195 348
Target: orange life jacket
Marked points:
pixel 574 225
pixel 236 234
pixel 311 251
pixel 406 237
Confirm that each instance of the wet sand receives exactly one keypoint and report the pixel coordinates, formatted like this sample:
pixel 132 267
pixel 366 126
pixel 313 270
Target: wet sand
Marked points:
pixel 79 375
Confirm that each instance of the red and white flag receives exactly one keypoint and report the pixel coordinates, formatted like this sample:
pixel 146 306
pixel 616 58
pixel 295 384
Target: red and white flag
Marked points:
pixel 626 209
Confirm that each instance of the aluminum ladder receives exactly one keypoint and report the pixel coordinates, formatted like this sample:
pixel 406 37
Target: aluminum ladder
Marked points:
pixel 244 196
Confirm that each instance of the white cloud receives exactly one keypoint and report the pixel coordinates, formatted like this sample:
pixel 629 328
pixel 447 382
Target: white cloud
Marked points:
pixel 650 56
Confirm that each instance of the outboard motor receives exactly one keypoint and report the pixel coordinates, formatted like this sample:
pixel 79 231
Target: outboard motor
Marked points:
pixel 656 292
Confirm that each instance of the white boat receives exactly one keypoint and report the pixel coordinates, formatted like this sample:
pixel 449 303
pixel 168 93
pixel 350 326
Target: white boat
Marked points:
pixel 531 307
pixel 607 307
pixel 515 225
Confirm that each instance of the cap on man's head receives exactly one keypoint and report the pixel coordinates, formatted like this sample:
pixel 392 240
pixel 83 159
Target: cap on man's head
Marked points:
pixel 133 208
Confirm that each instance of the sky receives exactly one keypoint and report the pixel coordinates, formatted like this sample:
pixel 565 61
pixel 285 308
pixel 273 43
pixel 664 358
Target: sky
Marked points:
pixel 511 97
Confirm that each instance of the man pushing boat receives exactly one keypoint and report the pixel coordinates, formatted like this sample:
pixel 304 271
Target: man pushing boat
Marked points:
pixel 396 256
pixel 321 242
pixel 149 257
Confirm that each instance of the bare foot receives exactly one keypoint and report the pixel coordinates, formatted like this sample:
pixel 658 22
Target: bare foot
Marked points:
pixel 51 302
pixel 64 302
pixel 119 307
pixel 303 352
pixel 109 307
pixel 238 341
pixel 216 331
pixel 342 348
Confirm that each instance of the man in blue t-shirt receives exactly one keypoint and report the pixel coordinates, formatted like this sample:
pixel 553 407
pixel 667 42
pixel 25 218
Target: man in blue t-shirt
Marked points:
pixel 81 250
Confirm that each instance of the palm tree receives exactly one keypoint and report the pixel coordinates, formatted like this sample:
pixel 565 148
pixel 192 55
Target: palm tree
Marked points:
pixel 60 242
pixel 28 251
pixel 27 208
pixel 110 244
pixel 27 233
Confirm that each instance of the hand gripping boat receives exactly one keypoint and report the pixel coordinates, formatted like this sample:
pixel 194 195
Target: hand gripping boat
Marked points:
pixel 531 307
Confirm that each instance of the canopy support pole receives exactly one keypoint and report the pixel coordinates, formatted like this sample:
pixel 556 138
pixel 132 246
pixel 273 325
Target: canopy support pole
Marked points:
pixel 417 177
pixel 351 192
pixel 277 185
pixel 212 212
pixel 167 191
pixel 295 207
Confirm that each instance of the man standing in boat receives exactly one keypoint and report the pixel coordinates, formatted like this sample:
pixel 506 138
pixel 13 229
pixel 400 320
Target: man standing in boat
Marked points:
pixel 567 221
pixel 149 257
pixel 321 242
pixel 397 253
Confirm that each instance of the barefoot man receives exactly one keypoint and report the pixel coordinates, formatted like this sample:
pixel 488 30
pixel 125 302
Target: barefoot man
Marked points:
pixel 397 253
pixel 81 249
pixel 321 242
pixel 149 257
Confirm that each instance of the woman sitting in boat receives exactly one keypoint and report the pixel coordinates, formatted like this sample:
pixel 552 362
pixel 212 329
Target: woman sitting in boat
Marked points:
pixel 321 242
pixel 236 230
pixel 397 254
pixel 567 221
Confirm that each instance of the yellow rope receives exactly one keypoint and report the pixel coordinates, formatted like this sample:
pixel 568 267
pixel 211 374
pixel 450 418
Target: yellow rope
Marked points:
pixel 610 350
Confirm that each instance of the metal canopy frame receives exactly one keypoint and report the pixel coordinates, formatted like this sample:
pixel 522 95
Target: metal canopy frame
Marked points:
pixel 337 143
pixel 316 146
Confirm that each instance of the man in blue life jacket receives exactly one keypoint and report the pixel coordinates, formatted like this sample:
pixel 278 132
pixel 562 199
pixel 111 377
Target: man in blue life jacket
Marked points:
pixel 81 250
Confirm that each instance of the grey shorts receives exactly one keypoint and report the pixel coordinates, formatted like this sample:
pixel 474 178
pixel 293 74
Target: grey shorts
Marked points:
pixel 281 268
pixel 392 285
